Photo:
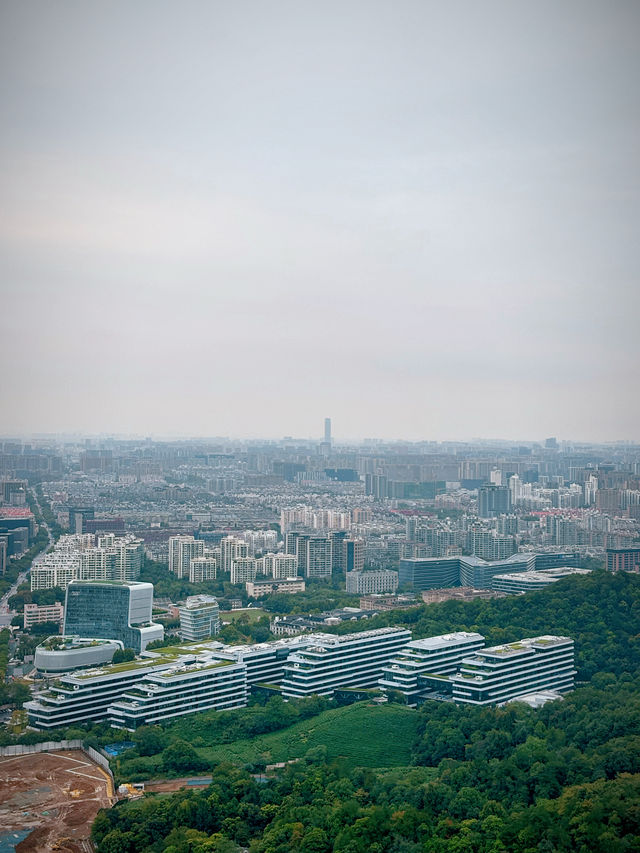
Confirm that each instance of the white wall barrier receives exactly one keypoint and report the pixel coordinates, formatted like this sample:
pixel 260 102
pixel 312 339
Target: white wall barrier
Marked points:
pixel 53 745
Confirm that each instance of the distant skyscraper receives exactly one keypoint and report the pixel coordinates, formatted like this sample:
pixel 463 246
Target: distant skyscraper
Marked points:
pixel 327 430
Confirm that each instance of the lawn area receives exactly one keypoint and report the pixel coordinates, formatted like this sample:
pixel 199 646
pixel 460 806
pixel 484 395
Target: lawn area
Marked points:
pixel 252 614
pixel 361 735
pixel 364 735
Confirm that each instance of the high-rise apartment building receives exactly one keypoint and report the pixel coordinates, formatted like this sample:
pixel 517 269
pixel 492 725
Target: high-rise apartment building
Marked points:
pixel 243 569
pixel 623 559
pixel 232 549
pixel 493 501
pixel 202 569
pixel 183 549
pixel 318 557
pixel 353 550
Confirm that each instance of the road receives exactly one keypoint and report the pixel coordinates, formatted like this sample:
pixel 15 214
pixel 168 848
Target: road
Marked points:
pixel 7 615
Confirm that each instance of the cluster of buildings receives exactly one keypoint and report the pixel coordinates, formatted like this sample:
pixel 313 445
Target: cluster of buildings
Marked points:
pixel 88 556
pixel 17 524
pixel 191 677
pixel 440 572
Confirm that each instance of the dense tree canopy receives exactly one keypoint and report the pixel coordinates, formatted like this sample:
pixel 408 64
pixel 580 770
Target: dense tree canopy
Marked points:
pixel 563 778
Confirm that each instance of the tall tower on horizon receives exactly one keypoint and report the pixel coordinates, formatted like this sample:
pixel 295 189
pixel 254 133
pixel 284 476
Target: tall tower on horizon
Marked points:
pixel 327 430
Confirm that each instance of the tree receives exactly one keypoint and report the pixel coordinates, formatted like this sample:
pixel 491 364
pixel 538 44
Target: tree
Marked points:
pixel 149 740
pixel 123 655
pixel 181 757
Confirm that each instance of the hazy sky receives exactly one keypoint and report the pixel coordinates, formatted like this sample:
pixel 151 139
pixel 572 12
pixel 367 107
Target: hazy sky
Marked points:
pixel 236 218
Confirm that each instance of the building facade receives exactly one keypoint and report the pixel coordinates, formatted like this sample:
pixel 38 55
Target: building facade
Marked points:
pixel 352 660
pixel 34 615
pixel 180 690
pixel 439 655
pixel 287 585
pixel 501 673
pixel 112 611
pixel 199 618
pixel 373 581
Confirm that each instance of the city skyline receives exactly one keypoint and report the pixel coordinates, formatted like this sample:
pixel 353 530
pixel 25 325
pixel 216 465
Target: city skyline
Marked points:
pixel 420 220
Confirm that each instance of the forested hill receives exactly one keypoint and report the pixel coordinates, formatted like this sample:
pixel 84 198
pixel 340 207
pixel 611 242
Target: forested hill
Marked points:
pixel 600 611
pixel 564 778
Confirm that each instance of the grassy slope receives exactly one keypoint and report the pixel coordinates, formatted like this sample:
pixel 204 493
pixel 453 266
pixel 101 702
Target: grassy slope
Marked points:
pixel 363 735
pixel 253 614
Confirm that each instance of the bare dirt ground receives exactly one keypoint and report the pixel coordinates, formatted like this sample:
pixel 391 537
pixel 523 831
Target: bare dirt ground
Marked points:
pixel 58 794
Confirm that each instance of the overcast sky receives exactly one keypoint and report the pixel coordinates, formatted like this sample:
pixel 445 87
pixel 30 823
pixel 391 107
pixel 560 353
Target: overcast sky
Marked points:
pixel 237 218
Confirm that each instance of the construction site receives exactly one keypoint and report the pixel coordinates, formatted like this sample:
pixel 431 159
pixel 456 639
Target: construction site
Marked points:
pixel 54 796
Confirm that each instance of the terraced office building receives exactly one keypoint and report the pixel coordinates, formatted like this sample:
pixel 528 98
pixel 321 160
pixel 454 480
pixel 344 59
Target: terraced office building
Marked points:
pixel 496 675
pixel 180 690
pixel 352 660
pixel 439 655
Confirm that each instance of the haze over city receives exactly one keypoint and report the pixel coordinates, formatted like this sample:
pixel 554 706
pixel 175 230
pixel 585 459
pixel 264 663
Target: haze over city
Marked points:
pixel 236 219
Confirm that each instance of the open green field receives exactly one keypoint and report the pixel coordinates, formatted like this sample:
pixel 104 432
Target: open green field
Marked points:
pixel 361 735
pixel 253 614
pixel 364 735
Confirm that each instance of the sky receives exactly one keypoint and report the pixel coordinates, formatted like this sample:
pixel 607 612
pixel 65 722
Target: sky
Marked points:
pixel 237 218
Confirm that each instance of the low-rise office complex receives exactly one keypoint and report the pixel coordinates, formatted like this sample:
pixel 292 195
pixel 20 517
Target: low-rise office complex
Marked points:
pixel 495 675
pixel 179 690
pixel 352 660
pixel 210 674
pixel 265 587
pixel 439 572
pixel 85 696
pixel 439 655
pixel 521 582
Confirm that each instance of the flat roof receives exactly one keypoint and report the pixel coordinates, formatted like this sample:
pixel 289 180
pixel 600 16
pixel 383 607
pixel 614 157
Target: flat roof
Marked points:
pixel 524 646
pixel 443 640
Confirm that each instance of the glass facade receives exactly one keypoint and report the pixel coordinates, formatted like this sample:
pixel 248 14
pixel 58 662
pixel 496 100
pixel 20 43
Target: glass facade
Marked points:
pixel 109 611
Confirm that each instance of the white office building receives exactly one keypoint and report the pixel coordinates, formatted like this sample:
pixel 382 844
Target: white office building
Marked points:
pixel 373 581
pixel 352 660
pixel 521 582
pixel 182 689
pixel 498 674
pixel 199 618
pixel 438 655
pixel 85 696
pixel 266 587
